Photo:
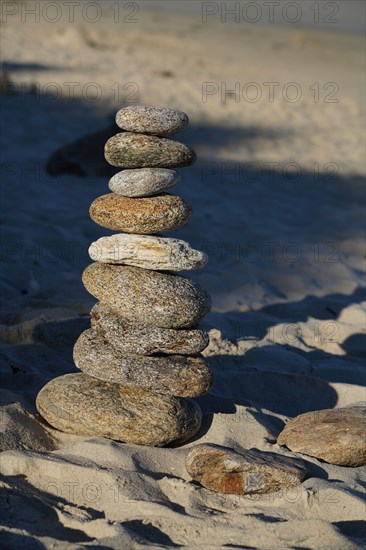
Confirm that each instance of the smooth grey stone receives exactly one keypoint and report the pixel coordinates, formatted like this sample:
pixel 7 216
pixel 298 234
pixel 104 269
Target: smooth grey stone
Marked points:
pixel 148 297
pixel 129 337
pixel 143 182
pixel 83 405
pixel 145 119
pixel 181 375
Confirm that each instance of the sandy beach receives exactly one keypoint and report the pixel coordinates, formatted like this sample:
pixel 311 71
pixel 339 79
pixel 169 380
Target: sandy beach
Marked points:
pixel 277 121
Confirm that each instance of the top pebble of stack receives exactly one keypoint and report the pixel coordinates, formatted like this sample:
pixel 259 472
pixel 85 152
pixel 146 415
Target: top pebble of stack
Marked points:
pixel 156 121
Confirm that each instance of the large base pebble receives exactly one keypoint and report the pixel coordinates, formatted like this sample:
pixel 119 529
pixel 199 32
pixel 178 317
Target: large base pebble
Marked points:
pixel 82 405
pixel 184 376
pixel 131 338
pixel 336 436
pixel 130 150
pixel 159 253
pixel 141 215
pixel 143 182
pixel 144 119
pixel 245 473
pixel 148 297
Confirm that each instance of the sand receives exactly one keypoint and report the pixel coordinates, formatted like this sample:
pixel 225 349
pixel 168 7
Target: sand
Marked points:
pixel 277 196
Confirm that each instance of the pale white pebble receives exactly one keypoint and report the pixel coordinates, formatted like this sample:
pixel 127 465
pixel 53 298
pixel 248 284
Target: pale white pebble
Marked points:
pixel 159 253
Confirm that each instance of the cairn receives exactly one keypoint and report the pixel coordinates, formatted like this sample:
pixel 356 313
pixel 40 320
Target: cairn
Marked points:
pixel 140 360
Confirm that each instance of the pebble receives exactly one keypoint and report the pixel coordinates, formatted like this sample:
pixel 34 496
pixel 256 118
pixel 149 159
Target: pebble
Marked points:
pixel 82 405
pixel 148 297
pixel 130 337
pixel 180 375
pixel 336 436
pixel 243 473
pixel 129 150
pixel 158 253
pixel 151 120
pixel 143 182
pixel 140 215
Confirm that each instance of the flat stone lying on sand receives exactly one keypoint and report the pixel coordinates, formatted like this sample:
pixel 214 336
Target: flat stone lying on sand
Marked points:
pixel 129 150
pixel 143 182
pixel 243 473
pixel 82 405
pixel 151 120
pixel 130 337
pixel 180 375
pixel 160 253
pixel 148 297
pixel 140 215
pixel 336 436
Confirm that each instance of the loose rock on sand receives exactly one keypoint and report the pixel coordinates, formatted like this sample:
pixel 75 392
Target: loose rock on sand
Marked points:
pixel 149 252
pixel 143 182
pixel 129 337
pixel 144 119
pixel 243 473
pixel 140 215
pixel 83 405
pixel 149 297
pixel 130 150
pixel 336 436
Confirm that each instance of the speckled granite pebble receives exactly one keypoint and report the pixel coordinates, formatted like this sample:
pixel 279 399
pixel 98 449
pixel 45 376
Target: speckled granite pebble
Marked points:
pixel 334 435
pixel 129 150
pixel 158 253
pixel 129 337
pixel 143 182
pixel 82 405
pixel 181 375
pixel 149 297
pixel 144 119
pixel 140 215
pixel 243 473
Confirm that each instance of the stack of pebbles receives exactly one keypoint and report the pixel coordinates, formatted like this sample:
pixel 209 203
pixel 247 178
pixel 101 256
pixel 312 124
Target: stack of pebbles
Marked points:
pixel 141 359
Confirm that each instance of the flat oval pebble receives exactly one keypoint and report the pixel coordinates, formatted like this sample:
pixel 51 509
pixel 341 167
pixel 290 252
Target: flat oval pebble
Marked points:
pixel 158 253
pixel 140 215
pixel 129 150
pixel 143 182
pixel 149 297
pixel 181 375
pixel 336 436
pixel 144 119
pixel 82 405
pixel 243 473
pixel 129 337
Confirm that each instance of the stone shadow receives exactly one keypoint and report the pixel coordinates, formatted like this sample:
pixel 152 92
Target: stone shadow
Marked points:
pixel 301 388
pixel 34 511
